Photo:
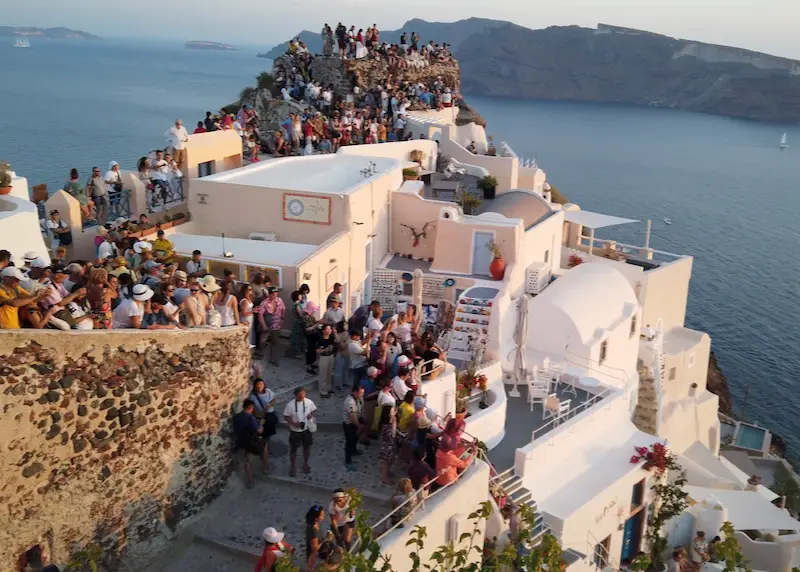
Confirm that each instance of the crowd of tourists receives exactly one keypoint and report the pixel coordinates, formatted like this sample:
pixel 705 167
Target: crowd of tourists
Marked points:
pixel 132 283
pixel 376 365
pixel 159 171
pixel 367 113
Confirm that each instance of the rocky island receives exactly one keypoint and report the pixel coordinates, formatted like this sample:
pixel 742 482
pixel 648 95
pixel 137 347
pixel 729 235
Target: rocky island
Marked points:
pixel 203 45
pixel 610 64
pixel 46 33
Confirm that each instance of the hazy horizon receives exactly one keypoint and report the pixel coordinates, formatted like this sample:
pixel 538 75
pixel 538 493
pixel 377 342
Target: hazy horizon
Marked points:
pixel 763 26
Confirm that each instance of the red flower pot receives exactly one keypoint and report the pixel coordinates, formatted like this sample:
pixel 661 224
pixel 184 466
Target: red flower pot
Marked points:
pixel 5 190
pixel 497 268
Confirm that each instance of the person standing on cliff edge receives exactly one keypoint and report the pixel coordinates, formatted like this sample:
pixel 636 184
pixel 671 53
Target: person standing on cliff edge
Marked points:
pixel 177 137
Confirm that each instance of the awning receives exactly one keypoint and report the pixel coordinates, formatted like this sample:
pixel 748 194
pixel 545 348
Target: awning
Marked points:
pixel 595 220
pixel 747 510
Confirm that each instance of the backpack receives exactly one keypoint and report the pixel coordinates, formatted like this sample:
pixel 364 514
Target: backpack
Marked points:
pixel 358 321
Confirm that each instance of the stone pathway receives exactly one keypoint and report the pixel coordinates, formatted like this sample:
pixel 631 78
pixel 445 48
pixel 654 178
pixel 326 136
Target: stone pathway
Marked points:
pixel 327 465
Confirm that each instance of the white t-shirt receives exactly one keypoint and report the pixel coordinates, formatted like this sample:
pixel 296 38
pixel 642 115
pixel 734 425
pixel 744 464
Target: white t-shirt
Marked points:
pixel 126 310
pixel 403 332
pixel 299 411
pixel 399 388
pixel 358 356
pixel 105 250
pixel 374 326
pixel 386 399
pixel 342 514
pixel 53 226
pixel 177 136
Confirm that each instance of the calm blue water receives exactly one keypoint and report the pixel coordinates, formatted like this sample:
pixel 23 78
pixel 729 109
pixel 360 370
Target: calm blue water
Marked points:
pixel 73 104
pixel 731 194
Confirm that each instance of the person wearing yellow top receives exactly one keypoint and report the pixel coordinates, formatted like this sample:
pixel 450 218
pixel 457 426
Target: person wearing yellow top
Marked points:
pixel 12 297
pixel 163 249
pixel 405 412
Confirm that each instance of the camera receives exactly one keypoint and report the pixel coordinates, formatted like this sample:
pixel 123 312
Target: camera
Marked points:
pixel 302 425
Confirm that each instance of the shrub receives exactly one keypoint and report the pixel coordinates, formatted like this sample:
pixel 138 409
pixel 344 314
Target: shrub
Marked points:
pixel 487 183
pixel 265 80
pixel 246 93
pixel 410 172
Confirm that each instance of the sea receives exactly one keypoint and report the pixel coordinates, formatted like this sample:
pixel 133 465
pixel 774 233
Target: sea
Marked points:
pixel 730 193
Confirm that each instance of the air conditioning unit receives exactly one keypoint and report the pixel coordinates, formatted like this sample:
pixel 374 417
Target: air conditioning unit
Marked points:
pixel 267 236
pixel 537 276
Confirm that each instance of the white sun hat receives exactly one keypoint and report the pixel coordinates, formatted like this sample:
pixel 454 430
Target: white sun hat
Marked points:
pixel 272 536
pixel 142 292
pixel 209 284
pixel 141 246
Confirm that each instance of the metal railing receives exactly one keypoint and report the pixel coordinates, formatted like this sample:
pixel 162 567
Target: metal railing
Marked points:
pixel 119 204
pixel 572 413
pixel 170 194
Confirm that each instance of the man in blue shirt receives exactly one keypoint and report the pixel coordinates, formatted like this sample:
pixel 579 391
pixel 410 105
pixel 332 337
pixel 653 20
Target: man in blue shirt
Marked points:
pixel 247 434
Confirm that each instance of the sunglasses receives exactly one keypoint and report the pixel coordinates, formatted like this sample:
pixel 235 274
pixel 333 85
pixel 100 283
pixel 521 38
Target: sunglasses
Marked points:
pixel 195 290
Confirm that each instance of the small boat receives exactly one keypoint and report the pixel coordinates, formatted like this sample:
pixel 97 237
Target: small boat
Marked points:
pixel 22 43
pixel 784 141
pixel 667 221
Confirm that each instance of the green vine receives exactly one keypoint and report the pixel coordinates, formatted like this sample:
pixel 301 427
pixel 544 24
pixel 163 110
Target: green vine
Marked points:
pixel 464 556
pixel 729 550
pixel 669 500
pixel 85 559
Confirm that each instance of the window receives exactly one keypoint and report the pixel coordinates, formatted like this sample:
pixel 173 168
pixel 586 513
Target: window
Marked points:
pixel 205 169
pixel 633 326
pixel 673 373
pixel 601 559
pixel 690 360
pixel 637 497
pixel 603 351
pixel 547 256
pixel 408 289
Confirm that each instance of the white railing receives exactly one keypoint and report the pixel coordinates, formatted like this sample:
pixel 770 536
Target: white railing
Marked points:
pixel 573 412
pixel 418 499
pixel 627 249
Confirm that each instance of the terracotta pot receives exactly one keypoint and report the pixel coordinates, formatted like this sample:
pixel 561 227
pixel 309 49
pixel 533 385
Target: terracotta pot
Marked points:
pixel 497 268
pixel 5 190
pixel 411 178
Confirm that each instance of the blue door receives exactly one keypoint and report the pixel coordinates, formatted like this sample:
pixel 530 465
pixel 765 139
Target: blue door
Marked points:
pixel 632 537
pixel 481 256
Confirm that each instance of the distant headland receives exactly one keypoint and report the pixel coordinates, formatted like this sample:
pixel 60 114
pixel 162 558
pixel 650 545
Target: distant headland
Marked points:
pixel 608 64
pixel 47 33
pixel 203 45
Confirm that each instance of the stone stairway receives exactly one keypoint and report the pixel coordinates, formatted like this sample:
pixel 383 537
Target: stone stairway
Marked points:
pixel 646 415
pixel 511 484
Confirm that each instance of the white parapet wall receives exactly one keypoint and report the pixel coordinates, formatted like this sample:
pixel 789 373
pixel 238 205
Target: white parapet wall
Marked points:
pixel 19 228
pixel 444 517
pixel 489 425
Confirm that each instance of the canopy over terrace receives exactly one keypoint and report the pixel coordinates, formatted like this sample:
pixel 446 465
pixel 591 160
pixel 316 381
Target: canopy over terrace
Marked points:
pixel 594 221
pixel 747 510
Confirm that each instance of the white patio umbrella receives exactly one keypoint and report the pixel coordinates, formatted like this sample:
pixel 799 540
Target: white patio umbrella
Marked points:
pixel 520 334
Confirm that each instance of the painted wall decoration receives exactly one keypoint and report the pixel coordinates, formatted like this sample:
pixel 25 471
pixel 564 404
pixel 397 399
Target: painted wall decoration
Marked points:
pixel 384 287
pixel 330 278
pixel 432 289
pixel 314 209
pixel 418 235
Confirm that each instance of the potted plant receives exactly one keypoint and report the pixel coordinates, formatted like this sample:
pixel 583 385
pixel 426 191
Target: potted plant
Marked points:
pixel 410 174
pixel 488 185
pixel 574 260
pixel 5 178
pixel 469 203
pixel 498 266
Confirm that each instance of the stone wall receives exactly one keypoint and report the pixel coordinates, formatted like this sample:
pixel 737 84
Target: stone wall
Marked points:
pixel 112 437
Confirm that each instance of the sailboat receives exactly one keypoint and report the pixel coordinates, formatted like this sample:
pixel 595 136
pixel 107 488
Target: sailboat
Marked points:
pixel 784 143
pixel 22 43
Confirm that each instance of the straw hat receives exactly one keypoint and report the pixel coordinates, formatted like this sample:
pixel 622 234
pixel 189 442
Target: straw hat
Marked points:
pixel 209 284
pixel 141 246
pixel 119 261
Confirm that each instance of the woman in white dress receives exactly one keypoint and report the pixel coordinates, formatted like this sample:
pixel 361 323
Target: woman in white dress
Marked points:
pixel 225 303
pixel 246 308
pixel 361 51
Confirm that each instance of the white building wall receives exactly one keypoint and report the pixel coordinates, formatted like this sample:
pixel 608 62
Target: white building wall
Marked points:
pixel 458 501
pixel 19 227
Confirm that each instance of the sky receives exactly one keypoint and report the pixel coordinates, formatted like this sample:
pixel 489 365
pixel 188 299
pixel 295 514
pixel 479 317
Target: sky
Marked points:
pixel 764 25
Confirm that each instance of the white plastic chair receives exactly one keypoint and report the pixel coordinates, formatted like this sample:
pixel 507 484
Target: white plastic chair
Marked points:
pixel 557 414
pixel 569 382
pixel 538 392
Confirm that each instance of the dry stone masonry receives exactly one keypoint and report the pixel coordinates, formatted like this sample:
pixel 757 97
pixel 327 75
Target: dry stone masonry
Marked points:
pixel 112 437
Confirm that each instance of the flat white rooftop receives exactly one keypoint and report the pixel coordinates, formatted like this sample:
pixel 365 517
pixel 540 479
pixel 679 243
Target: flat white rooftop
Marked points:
pixel 327 174
pixel 245 251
